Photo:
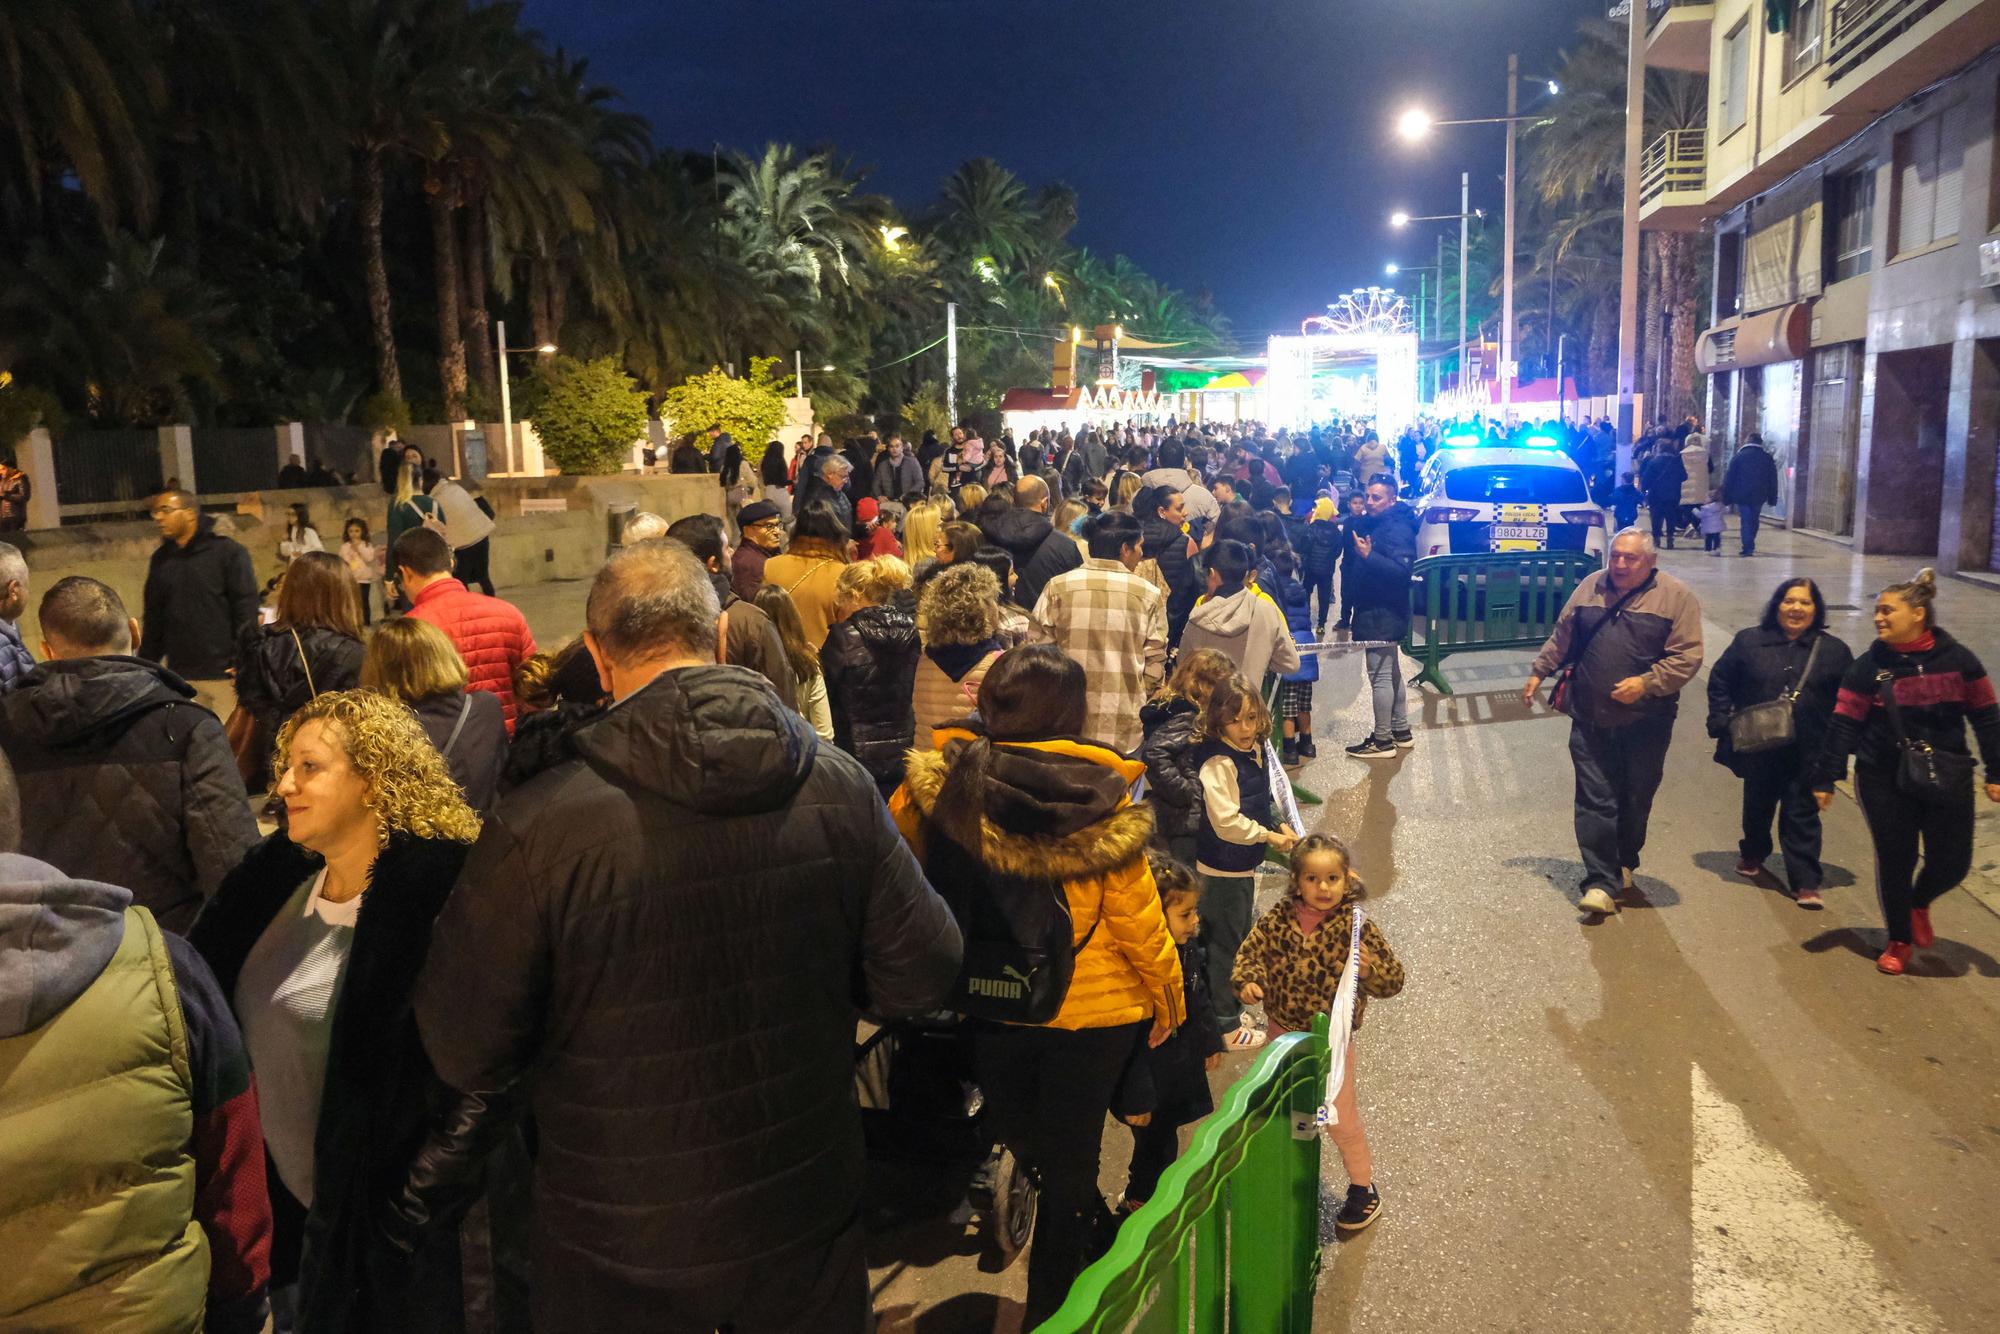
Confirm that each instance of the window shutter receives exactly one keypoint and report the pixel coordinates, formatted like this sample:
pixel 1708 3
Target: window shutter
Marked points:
pixel 1916 185
pixel 1950 170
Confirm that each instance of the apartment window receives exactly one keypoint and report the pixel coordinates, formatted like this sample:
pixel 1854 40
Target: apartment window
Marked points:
pixel 1850 206
pixel 1735 77
pixel 1802 39
pixel 1929 159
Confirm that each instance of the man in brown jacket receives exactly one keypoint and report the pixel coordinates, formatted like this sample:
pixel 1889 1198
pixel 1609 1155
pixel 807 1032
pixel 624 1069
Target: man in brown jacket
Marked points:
pixel 1632 639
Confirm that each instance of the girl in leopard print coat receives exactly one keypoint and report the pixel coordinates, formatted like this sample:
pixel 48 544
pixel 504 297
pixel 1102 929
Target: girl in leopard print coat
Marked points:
pixel 1291 962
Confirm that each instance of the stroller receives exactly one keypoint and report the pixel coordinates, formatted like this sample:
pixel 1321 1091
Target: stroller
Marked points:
pixel 919 1103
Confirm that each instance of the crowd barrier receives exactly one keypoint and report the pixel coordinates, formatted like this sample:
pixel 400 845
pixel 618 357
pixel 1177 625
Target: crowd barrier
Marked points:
pixel 1230 1240
pixel 1469 604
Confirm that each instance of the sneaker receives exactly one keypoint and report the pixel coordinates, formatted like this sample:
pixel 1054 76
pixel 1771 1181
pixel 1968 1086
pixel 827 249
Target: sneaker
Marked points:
pixel 1245 1038
pixel 1809 898
pixel 1371 749
pixel 1402 740
pixel 1343 624
pixel 1921 934
pixel 1748 869
pixel 1307 747
pixel 1595 900
pixel 1288 753
pixel 1893 959
pixel 1363 1206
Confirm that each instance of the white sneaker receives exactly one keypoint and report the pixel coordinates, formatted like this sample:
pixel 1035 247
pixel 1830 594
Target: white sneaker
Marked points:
pixel 1595 900
pixel 1245 1039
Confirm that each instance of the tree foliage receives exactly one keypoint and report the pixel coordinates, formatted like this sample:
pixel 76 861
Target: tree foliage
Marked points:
pixel 588 413
pixel 751 409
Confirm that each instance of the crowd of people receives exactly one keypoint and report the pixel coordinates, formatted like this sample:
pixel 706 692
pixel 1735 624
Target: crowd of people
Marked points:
pixel 548 965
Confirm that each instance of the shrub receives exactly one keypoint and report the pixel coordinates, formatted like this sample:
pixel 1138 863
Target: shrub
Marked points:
pixel 385 412
pixel 751 409
pixel 588 413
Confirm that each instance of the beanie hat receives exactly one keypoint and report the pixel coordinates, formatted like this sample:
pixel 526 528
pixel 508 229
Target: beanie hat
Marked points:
pixel 864 509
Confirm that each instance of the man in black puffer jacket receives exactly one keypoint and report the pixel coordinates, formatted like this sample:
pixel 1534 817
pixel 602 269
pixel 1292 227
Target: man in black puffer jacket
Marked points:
pixel 670 938
pixel 124 778
pixel 1023 531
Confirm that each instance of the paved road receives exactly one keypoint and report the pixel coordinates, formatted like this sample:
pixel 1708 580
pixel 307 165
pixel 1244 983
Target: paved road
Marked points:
pixel 1707 1114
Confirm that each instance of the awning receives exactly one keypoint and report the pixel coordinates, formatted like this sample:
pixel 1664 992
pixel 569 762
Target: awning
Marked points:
pixel 1238 380
pixel 1769 336
pixel 1040 400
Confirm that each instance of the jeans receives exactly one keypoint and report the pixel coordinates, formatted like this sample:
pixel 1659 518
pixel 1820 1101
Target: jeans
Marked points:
pixel 1781 787
pixel 1320 584
pixel 1155 1145
pixel 1665 517
pixel 1751 516
pixel 1226 902
pixel 1048 1090
pixel 1385 678
pixel 469 563
pixel 1711 541
pixel 1900 826
pixel 1618 772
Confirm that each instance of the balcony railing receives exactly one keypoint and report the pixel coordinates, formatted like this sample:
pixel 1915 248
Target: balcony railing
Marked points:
pixel 1676 163
pixel 1857 29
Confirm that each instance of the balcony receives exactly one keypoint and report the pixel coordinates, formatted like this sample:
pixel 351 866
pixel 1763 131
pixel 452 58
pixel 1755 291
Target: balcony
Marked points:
pixel 1673 181
pixel 1678 35
pixel 1878 52
pixel 1860 28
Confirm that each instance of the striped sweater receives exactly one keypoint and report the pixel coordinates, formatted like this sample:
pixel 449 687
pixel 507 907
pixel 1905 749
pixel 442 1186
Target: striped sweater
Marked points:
pixel 1939 686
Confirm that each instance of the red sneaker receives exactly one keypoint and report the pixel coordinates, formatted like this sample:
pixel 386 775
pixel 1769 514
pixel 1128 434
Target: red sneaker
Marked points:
pixel 1920 928
pixel 1893 959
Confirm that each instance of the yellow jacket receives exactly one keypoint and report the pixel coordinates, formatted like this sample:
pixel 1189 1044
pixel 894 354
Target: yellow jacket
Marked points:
pixel 1128 968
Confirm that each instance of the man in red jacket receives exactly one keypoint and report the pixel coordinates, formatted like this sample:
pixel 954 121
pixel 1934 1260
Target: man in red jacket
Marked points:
pixel 491 635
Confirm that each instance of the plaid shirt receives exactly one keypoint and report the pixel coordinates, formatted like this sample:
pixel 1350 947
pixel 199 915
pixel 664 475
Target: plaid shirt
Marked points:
pixel 1115 624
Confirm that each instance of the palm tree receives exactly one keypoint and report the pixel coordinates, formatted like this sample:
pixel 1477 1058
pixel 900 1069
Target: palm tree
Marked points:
pixel 984 220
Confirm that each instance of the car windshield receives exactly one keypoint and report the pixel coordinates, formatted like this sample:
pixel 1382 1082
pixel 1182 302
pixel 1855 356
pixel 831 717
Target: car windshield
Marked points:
pixel 1515 483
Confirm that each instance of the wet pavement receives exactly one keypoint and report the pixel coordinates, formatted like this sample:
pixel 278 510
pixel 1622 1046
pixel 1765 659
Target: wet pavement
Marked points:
pixel 1709 1113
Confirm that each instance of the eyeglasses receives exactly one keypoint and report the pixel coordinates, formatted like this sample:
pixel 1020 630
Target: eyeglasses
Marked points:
pixel 164 510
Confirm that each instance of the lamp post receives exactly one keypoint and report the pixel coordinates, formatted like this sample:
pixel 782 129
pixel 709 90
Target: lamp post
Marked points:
pixel 1464 215
pixel 1393 268
pixel 506 390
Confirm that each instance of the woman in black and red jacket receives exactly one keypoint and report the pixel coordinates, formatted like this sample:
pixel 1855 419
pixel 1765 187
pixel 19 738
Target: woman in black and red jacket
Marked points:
pixel 1939 687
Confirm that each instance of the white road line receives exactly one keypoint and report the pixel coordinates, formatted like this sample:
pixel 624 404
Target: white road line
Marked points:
pixel 1766 1254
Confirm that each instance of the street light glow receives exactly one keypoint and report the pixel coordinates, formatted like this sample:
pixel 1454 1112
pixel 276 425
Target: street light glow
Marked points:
pixel 1392 269
pixel 1555 89
pixel 892 238
pixel 1414 124
pixel 827 367
pixel 547 349
pixel 1399 219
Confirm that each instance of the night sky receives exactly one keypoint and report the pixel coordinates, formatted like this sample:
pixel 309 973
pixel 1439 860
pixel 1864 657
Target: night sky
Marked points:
pixel 1243 148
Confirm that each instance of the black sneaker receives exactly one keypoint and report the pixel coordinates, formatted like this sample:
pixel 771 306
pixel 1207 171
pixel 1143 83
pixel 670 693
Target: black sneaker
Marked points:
pixel 1402 740
pixel 1364 1206
pixel 1371 749
pixel 1307 747
pixel 1288 753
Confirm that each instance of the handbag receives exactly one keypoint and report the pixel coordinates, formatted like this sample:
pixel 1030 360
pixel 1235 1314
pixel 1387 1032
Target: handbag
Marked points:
pixel 1559 692
pixel 249 740
pixel 1923 772
pixel 1770 725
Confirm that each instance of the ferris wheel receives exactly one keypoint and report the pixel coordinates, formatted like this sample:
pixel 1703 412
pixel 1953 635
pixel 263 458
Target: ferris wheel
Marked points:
pixel 1365 310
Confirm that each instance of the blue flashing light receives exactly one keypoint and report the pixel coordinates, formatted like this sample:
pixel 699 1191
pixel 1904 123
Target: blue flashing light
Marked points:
pixel 1464 440
pixel 1539 441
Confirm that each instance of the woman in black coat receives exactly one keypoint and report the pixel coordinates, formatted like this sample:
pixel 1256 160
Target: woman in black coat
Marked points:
pixel 869 662
pixel 312 648
pixel 1789 650
pixel 317 939
pixel 1162 513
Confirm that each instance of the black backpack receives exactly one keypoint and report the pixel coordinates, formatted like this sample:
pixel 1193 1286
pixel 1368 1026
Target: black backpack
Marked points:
pixel 1018 957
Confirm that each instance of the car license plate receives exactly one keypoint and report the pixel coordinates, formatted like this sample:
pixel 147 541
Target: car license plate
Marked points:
pixel 1520 532
pixel 1518 514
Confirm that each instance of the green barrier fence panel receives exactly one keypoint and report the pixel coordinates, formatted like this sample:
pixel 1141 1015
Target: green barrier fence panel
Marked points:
pixel 1230 1240
pixel 1468 604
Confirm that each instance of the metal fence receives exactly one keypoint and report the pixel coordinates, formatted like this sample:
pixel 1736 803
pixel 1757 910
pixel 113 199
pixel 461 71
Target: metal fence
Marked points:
pixel 235 458
pixel 102 467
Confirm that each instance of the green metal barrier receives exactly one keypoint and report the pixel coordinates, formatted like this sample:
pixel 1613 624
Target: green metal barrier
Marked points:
pixel 1468 604
pixel 1232 1233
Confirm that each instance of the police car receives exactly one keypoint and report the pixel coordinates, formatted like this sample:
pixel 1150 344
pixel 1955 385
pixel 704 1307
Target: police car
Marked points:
pixel 1476 497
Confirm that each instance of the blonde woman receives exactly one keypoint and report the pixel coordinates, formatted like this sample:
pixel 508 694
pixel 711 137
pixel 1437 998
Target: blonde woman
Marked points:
pixel 317 939
pixel 410 508
pixel 413 662
pixel 959 612
pixel 921 527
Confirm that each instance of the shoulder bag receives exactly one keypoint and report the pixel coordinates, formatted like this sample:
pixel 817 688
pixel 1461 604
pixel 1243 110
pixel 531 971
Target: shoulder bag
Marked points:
pixel 1560 691
pixel 1770 725
pixel 250 741
pixel 1923 772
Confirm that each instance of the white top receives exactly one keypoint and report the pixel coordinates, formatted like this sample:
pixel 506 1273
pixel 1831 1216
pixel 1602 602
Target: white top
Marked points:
pixel 464 522
pixel 1224 799
pixel 813 706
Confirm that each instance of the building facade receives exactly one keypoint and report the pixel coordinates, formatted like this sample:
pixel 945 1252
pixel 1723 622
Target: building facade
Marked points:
pixel 1847 172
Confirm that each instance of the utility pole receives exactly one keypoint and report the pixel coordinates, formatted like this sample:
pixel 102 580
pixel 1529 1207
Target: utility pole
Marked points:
pixel 1628 268
pixel 1464 212
pixel 1507 261
pixel 799 374
pixel 506 394
pixel 951 361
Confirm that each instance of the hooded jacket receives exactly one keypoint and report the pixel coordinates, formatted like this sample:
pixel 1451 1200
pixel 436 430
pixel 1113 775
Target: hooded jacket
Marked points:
pixel 108 1022
pixel 199 599
pixel 1378 587
pixel 672 936
pixel 125 779
pixel 869 662
pixel 1040 553
pixel 1168 547
pixel 946 685
pixel 1057 810
pixel 1247 628
pixel 273 680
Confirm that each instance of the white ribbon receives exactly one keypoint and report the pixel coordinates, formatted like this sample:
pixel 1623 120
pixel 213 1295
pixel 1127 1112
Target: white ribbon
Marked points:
pixel 1340 1027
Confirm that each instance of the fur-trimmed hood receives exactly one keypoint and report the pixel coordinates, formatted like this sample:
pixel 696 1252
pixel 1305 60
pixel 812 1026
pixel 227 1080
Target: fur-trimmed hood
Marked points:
pixel 1048 809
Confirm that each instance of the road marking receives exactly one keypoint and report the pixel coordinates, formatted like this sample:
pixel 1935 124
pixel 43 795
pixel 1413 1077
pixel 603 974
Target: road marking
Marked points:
pixel 1767 1255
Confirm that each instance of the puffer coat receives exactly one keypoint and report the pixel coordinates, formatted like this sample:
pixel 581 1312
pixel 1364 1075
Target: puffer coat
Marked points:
pixel 1173 773
pixel 276 675
pixel 869 662
pixel 492 636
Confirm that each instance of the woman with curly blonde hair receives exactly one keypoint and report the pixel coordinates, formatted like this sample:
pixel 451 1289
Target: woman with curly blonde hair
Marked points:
pixel 317 939
pixel 958 616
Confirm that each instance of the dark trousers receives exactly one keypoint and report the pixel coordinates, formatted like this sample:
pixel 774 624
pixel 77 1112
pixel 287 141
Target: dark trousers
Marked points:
pixel 367 603
pixel 1665 518
pixel 1346 597
pixel 1319 584
pixel 1617 772
pixel 469 564
pixel 1048 1090
pixel 821 1288
pixel 1227 903
pixel 1155 1145
pixel 1711 541
pixel 1902 829
pixel 1751 516
pixel 1780 786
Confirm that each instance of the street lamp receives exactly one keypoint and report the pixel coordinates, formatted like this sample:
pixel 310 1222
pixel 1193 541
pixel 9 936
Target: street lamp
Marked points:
pixel 1417 124
pixel 506 390
pixel 1465 213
